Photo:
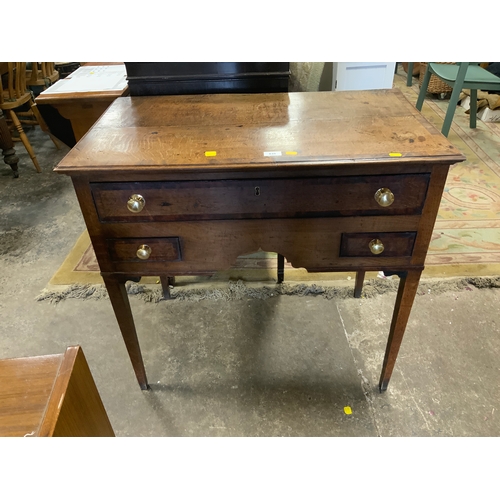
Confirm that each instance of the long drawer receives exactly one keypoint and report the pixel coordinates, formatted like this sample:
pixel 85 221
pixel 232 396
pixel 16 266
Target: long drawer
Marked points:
pixel 259 198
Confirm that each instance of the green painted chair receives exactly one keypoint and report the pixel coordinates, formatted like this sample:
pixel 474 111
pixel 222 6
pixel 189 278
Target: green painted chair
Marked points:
pixel 459 76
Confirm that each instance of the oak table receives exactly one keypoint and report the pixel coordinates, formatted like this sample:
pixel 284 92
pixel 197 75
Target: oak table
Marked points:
pixel 83 96
pixel 333 181
pixel 52 395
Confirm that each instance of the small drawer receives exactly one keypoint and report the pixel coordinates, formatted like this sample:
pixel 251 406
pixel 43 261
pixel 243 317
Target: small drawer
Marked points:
pixel 404 194
pixel 377 244
pixel 145 250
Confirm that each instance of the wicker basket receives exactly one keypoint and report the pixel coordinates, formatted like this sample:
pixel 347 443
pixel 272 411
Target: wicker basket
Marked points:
pixel 436 86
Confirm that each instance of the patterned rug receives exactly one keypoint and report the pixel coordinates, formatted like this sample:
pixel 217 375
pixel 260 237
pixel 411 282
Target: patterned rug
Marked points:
pixel 466 238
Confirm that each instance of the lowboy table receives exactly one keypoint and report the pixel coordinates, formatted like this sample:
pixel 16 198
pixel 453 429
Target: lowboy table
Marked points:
pixel 333 181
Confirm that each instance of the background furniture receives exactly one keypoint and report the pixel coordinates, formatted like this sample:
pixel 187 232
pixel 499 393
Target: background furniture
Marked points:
pixel 14 95
pixel 41 74
pixel 51 396
pixel 436 86
pixel 7 146
pixel 363 75
pixel 463 75
pixel 183 185
pixel 206 77
pixel 411 72
pixel 80 99
pixel 412 69
pixel 66 68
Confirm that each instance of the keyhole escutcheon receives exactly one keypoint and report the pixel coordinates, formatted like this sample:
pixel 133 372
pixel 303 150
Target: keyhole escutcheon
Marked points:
pixel 257 191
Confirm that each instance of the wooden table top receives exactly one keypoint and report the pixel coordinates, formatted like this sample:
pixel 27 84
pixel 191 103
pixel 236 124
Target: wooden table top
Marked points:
pixel 220 131
pixel 88 82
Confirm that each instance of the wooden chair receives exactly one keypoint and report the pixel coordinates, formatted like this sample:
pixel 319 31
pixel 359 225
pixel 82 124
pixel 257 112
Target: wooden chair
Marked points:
pixel 41 74
pixel 7 146
pixel 15 96
pixel 459 76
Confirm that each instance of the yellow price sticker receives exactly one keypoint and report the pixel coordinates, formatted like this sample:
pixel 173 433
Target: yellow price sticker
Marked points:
pixel 347 410
pixel 210 153
pixel 395 154
pixel 291 153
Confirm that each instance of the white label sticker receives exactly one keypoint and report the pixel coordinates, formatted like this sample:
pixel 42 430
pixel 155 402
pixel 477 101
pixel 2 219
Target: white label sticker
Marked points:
pixel 272 153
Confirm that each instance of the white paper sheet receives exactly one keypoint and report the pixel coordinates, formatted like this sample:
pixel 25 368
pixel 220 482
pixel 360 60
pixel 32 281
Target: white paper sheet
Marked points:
pixel 91 79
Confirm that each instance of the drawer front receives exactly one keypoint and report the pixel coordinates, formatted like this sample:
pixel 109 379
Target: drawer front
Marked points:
pixel 151 250
pixel 377 244
pixel 260 198
pixel 205 247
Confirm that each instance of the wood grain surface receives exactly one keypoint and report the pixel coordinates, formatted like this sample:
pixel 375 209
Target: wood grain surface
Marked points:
pixel 176 132
pixel 52 395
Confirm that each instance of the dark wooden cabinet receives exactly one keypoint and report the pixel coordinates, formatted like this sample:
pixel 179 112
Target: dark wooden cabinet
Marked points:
pixel 333 181
pixel 174 78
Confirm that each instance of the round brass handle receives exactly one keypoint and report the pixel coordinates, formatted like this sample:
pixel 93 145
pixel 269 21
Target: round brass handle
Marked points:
pixel 384 197
pixel 143 252
pixel 376 247
pixel 136 203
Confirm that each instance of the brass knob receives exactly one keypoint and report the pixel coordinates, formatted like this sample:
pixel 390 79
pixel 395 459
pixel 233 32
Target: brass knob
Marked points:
pixel 136 203
pixel 376 247
pixel 143 252
pixel 384 197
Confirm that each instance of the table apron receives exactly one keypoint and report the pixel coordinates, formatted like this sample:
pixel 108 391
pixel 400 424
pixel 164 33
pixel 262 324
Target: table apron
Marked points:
pixel 204 247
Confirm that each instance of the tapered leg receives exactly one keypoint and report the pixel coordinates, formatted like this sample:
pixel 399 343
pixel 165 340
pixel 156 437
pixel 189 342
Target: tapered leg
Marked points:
pixel 121 306
pixel 281 268
pixel 358 286
pixel 406 294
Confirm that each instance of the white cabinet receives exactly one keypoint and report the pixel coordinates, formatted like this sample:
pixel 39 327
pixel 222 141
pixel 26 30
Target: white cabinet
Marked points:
pixel 363 75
